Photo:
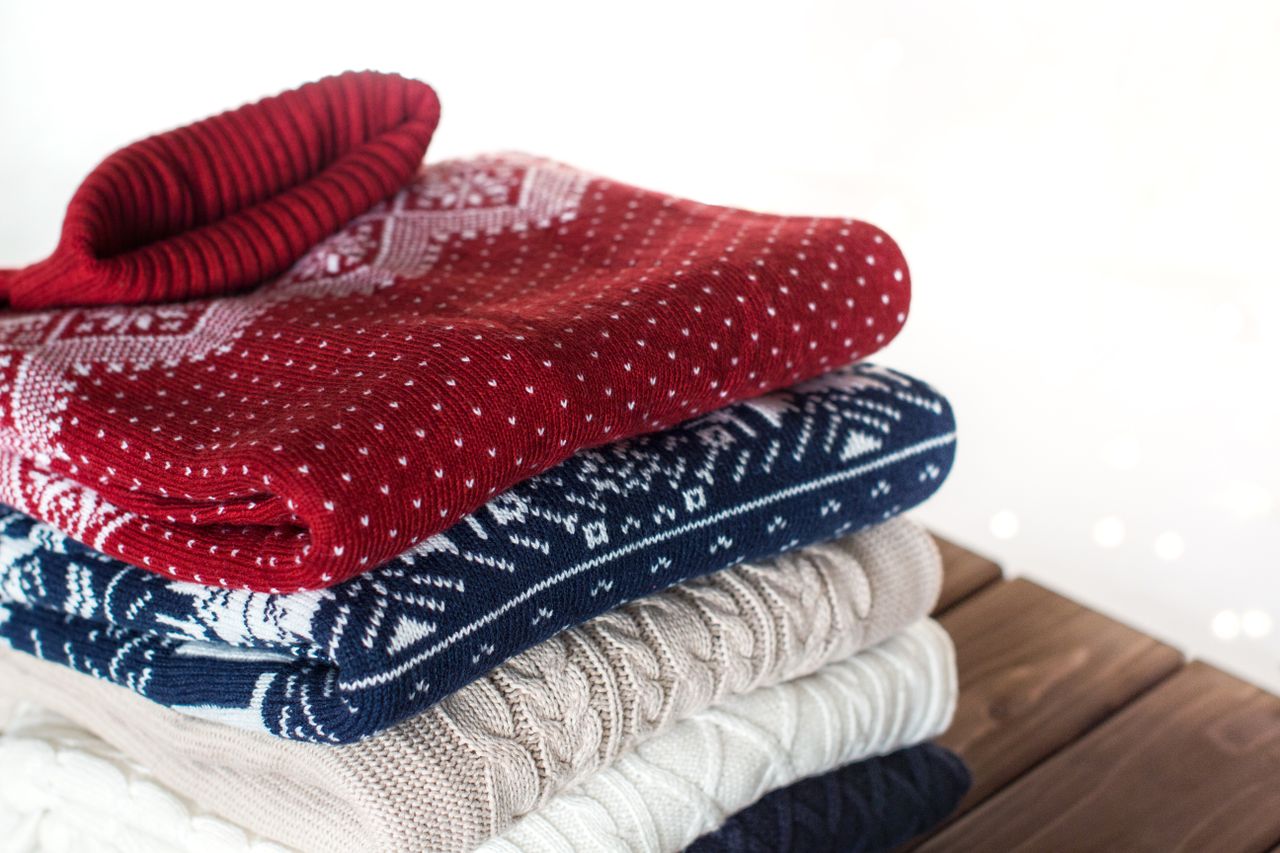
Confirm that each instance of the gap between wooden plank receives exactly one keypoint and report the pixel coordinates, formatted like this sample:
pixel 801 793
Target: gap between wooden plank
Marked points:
pixel 1190 766
pixel 964 574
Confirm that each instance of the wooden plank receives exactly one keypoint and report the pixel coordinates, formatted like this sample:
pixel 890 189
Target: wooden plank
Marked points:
pixel 964 573
pixel 1193 765
pixel 1036 671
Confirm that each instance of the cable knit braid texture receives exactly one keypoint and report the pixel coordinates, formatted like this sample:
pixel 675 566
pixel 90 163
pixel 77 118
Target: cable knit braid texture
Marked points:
pixel 865 807
pixel 503 747
pixel 670 790
pixel 488 320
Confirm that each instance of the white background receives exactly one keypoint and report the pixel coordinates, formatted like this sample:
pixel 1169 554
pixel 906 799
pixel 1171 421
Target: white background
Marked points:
pixel 1088 194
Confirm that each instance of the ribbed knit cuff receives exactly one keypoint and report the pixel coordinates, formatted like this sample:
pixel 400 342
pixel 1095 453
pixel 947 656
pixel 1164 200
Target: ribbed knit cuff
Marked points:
pixel 227 203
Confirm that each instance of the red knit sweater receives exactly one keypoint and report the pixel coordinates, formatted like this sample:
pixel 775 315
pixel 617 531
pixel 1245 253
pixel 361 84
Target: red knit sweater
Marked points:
pixel 492 318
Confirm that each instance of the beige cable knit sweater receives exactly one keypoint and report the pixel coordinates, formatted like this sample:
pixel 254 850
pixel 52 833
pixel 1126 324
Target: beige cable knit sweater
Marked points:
pixel 497 750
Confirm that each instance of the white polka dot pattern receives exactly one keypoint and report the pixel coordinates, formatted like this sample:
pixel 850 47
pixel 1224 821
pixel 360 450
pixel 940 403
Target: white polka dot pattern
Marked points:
pixel 493 318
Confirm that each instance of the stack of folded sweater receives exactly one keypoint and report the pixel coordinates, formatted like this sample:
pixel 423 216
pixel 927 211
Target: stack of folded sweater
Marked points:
pixel 484 505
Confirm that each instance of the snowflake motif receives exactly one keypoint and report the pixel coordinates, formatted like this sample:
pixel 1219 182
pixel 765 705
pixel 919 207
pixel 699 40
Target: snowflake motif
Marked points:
pixel 142 320
pixel 343 251
pixel 462 189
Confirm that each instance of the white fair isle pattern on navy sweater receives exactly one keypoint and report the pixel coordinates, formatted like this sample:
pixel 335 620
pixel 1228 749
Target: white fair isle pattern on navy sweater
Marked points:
pixel 820 460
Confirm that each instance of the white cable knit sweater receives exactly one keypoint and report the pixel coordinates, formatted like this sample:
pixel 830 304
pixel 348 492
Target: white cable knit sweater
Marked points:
pixel 61 790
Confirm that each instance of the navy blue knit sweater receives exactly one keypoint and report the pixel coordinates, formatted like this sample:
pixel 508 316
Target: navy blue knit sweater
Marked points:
pixel 869 806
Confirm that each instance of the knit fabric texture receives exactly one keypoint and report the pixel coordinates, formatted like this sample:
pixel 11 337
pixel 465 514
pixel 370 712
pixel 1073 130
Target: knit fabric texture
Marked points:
pixel 63 790
pixel 669 791
pixel 498 749
pixel 491 319
pixel 866 807
pixel 229 202
pixel 753 480
pixel 660 796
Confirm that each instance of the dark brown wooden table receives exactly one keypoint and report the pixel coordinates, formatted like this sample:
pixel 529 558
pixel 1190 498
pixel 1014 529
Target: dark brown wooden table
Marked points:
pixel 1084 734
